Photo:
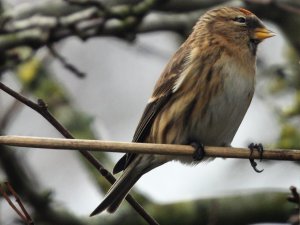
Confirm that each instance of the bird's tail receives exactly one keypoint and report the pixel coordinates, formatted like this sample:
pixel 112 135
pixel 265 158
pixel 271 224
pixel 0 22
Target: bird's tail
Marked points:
pixel 119 190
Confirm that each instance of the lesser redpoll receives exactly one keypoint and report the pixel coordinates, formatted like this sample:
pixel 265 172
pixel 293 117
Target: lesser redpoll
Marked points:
pixel 201 96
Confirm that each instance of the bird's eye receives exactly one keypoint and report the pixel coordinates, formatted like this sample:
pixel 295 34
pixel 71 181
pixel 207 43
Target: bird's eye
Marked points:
pixel 240 19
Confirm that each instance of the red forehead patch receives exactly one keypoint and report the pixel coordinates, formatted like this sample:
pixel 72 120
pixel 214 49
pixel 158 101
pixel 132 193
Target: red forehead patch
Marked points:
pixel 245 11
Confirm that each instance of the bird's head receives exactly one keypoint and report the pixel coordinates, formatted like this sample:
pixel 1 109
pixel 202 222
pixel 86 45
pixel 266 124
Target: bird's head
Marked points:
pixel 236 26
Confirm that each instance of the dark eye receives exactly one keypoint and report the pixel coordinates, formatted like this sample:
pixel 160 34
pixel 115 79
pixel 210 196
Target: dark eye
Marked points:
pixel 240 19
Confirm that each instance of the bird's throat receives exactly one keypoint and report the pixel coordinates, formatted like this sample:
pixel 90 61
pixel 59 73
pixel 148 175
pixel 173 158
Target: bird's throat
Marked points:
pixel 253 46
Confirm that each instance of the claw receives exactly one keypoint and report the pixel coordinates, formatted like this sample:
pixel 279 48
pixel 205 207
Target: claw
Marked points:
pixel 254 166
pixel 199 151
pixel 259 147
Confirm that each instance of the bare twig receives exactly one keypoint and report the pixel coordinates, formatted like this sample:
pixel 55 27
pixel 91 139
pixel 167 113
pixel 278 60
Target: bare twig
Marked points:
pixel 294 198
pixel 145 148
pixel 10 113
pixel 288 7
pixel 29 220
pixel 24 215
pixel 295 195
pixel 95 3
pixel 4 194
pixel 72 68
pixel 14 168
pixel 41 108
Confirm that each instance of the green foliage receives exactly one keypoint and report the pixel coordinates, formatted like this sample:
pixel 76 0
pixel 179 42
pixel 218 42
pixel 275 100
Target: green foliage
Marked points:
pixel 294 110
pixel 287 82
pixel 289 137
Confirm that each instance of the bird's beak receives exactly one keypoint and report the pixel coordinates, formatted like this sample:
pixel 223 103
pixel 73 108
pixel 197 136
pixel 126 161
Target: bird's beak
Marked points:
pixel 262 33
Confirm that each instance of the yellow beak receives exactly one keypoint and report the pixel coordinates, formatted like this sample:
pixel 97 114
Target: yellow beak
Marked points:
pixel 262 33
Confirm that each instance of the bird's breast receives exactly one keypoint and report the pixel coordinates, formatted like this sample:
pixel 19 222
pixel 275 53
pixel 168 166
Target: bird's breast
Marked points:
pixel 207 108
pixel 227 108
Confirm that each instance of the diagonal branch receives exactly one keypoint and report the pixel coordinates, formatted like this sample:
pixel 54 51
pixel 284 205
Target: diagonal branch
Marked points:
pixel 41 108
pixel 294 198
pixel 72 68
pixel 145 148
pixel 24 215
pixel 5 195
pixel 28 218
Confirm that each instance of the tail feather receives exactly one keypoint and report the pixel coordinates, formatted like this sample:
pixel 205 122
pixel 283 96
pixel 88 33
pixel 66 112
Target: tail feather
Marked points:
pixel 118 191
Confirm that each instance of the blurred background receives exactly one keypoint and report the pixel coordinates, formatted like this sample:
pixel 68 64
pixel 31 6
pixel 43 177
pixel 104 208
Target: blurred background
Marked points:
pixel 46 46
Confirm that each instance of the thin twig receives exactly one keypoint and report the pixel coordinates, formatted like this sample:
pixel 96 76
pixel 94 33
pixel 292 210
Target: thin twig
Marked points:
pixel 42 109
pixel 29 220
pixel 145 148
pixel 25 217
pixel 72 68
pixel 85 3
pixel 294 198
pixel 12 204
pixel 9 114
pixel 288 8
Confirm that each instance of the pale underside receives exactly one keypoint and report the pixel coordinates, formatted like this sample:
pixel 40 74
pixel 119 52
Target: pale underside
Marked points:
pixel 219 124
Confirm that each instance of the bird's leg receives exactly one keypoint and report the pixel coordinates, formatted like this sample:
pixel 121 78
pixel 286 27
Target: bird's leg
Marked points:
pixel 259 147
pixel 199 151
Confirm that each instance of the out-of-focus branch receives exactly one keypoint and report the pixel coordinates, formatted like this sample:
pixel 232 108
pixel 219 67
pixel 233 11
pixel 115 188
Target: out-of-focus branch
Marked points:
pixel 190 5
pixel 83 20
pixel 86 21
pixel 251 208
pixel 42 109
pixel 294 198
pixel 43 24
pixel 10 113
pixel 41 31
pixel 40 202
pixel 72 68
pixel 23 214
pixel 53 28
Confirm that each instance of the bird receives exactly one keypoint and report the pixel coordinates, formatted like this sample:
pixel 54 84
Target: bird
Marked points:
pixel 200 98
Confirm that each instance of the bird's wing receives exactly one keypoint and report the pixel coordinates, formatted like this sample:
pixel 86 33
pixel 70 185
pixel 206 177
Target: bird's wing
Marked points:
pixel 162 93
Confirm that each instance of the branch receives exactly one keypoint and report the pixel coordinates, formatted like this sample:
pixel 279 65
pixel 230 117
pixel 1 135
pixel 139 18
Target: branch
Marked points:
pixel 144 148
pixel 42 109
pixel 23 214
pixel 9 114
pixel 37 26
pixel 38 30
pixel 14 168
pixel 72 68
pixel 252 208
pixel 294 198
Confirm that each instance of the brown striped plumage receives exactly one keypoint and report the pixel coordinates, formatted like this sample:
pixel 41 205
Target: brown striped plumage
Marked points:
pixel 201 96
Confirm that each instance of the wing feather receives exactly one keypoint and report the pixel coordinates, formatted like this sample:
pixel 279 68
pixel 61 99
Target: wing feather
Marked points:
pixel 162 93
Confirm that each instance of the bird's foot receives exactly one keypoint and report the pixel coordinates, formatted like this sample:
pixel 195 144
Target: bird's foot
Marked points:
pixel 259 147
pixel 199 151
